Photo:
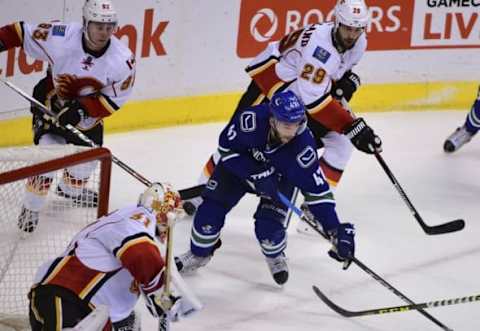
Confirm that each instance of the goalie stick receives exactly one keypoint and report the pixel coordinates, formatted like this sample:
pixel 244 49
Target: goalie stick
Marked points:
pixel 395 309
pixel 172 275
pixel 452 226
pixel 184 194
pixel 164 321
pixel 360 264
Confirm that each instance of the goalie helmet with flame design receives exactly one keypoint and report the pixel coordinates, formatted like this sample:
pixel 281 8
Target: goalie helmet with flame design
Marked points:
pixel 162 201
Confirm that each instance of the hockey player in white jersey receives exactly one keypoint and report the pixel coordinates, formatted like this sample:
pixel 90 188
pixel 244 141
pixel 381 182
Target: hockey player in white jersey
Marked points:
pixel 315 62
pixel 90 75
pixel 110 263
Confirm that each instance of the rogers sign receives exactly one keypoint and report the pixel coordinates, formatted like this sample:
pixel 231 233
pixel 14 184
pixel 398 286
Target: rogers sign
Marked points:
pixel 394 24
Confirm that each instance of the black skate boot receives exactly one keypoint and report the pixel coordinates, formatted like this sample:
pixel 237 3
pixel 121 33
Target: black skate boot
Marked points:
pixel 86 199
pixel 278 268
pixel 28 220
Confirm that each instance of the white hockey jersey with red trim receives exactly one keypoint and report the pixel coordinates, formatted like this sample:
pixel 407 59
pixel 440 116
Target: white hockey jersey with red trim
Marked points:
pixel 106 261
pixel 306 62
pixel 77 72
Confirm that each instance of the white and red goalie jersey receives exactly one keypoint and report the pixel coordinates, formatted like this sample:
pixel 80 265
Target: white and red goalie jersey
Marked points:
pixel 107 261
pixel 306 62
pixel 101 81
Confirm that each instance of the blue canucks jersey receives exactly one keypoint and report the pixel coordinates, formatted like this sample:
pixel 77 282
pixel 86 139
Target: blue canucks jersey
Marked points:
pixel 246 146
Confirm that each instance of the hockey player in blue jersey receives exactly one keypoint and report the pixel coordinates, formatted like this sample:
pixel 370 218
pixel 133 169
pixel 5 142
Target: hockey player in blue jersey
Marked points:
pixel 464 134
pixel 266 149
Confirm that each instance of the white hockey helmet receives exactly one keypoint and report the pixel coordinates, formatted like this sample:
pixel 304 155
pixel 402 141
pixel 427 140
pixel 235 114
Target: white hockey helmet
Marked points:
pixel 353 13
pixel 101 11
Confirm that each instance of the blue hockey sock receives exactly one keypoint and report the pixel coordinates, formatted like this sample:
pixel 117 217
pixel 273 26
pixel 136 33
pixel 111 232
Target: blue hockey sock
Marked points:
pixel 472 123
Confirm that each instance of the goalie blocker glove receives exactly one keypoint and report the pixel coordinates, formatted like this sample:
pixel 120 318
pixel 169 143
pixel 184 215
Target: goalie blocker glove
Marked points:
pixel 343 241
pixel 363 137
pixel 346 86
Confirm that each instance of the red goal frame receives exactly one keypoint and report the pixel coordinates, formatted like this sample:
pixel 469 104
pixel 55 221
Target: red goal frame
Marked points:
pixel 96 154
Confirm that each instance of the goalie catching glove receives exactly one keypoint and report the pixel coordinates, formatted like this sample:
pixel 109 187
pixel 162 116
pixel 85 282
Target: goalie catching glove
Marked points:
pixel 343 241
pixel 161 305
pixel 363 137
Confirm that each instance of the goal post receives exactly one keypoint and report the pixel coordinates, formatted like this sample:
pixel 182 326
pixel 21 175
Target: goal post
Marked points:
pixel 60 218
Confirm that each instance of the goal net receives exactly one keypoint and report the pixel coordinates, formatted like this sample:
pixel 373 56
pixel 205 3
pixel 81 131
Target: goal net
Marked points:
pixel 60 217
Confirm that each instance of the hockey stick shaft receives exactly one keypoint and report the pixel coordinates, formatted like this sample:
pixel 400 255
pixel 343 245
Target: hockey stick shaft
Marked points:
pixel 184 194
pixel 172 276
pixel 452 226
pixel 362 266
pixel 394 309
pixel 164 321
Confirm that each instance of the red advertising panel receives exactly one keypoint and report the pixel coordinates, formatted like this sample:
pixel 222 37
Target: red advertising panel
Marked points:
pixel 394 24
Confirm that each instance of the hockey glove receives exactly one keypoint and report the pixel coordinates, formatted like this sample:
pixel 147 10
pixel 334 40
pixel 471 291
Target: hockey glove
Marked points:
pixel 265 183
pixel 171 307
pixel 345 86
pixel 343 241
pixel 71 113
pixel 363 137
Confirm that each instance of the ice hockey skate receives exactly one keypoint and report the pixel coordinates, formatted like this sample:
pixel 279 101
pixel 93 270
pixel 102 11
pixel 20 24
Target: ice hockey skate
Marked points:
pixel 278 268
pixel 457 139
pixel 188 262
pixel 28 220
pixel 87 198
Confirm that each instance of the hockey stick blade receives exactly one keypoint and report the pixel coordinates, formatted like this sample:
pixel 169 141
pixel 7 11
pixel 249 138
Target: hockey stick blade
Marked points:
pixel 448 227
pixel 452 226
pixel 395 309
pixel 332 305
pixel 360 264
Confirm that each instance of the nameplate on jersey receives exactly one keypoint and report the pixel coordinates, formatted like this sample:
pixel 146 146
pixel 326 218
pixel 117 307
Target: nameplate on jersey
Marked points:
pixel 306 157
pixel 59 30
pixel 321 54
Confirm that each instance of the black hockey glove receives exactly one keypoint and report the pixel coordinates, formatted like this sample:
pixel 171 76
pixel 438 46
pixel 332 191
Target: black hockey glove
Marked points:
pixel 363 137
pixel 71 113
pixel 172 307
pixel 343 241
pixel 346 86
pixel 265 183
pixel 158 306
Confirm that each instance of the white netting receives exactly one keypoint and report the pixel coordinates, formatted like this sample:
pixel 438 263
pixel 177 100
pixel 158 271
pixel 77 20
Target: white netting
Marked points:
pixel 21 253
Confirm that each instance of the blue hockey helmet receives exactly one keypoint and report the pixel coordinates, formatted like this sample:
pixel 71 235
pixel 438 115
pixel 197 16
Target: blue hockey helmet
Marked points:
pixel 287 107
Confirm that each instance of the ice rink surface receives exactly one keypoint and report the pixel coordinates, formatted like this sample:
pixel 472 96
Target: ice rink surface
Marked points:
pixel 236 287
